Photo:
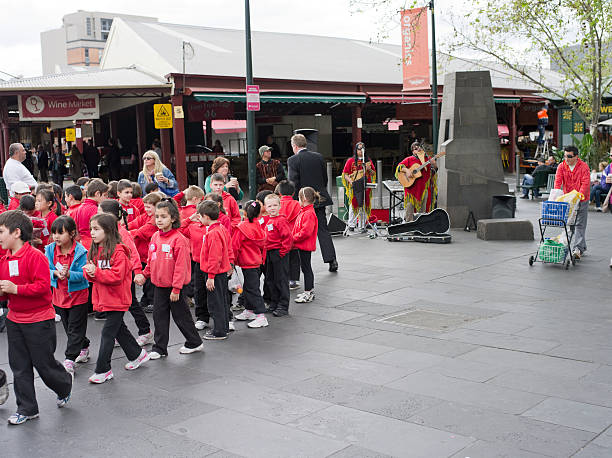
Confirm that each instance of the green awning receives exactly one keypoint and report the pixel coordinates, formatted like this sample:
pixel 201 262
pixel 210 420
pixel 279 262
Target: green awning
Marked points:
pixel 507 100
pixel 279 98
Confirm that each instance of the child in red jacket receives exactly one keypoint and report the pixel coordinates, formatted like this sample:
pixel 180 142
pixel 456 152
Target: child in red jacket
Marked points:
pixel 217 182
pixel 45 200
pixel 25 281
pixel 278 244
pixel 215 260
pixel 290 208
pixel 109 269
pixel 248 245
pixel 124 195
pixel 74 196
pixel 169 268
pixel 305 239
pixel 96 192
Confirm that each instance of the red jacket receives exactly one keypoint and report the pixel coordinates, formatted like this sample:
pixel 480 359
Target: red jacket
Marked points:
pixel 112 281
pixel 579 179
pixel 169 263
pixel 139 204
pixel 231 207
pixel 13 203
pixel 248 245
pixel 72 210
pixel 131 210
pixel 61 296
pixel 194 231
pixel 88 208
pixel 126 239
pixel 141 230
pixel 290 208
pixel 226 222
pixel 30 272
pixel 187 211
pixel 217 253
pixel 305 230
pixel 51 216
pixel 278 234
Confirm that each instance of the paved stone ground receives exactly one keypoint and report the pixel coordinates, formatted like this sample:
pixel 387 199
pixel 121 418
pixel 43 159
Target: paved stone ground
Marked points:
pixel 497 359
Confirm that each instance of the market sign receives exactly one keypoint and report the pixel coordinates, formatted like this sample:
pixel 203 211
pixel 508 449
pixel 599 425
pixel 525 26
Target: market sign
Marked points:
pixel 65 107
pixel 201 111
pixel 415 50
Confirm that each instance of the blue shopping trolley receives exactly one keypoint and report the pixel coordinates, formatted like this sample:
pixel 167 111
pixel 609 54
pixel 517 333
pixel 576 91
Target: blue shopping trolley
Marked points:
pixel 554 214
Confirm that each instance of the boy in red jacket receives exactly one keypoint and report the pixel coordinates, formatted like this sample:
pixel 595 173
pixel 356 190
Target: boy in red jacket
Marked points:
pixel 229 203
pixel 73 196
pixel 215 260
pixel 124 195
pixel 25 280
pixel 290 208
pixel 278 244
pixel 97 191
pixel 169 268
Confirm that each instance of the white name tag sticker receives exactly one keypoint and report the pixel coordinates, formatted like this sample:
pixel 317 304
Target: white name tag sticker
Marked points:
pixel 14 268
pixel 130 211
pixel 166 248
pixel 45 232
pixel 59 266
pixel 103 264
pixel 270 227
pixel 261 220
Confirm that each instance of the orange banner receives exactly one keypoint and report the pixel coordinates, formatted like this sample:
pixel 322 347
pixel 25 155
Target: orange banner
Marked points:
pixel 415 50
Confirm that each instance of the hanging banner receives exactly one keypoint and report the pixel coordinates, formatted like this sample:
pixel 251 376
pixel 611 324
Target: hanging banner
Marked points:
pixel 63 107
pixel 415 49
pixel 201 111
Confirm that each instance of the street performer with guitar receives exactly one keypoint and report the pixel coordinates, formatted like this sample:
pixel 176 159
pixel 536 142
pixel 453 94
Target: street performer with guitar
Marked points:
pixel 417 173
pixel 358 170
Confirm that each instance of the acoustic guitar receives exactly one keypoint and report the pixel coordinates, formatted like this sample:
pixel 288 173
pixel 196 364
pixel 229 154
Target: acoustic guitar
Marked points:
pixel 409 175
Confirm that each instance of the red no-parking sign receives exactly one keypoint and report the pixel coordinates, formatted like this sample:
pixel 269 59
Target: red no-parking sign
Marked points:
pixel 252 98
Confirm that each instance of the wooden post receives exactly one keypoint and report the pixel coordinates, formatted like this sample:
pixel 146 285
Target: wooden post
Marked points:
pixel 141 132
pixel 356 131
pixel 79 140
pixel 178 132
pixel 512 155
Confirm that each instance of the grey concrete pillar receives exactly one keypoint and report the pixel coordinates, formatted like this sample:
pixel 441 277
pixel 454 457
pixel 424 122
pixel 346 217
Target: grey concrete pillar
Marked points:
pixel 201 178
pixel 378 192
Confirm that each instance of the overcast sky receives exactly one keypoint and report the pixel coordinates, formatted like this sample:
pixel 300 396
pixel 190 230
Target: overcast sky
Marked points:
pixel 21 22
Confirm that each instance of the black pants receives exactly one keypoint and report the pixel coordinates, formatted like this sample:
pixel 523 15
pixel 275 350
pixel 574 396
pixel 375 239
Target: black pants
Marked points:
pixel 115 328
pixel 188 289
pixel 147 291
pixel 144 327
pixel 44 174
pixel 92 170
pixel 251 291
pixel 294 265
pixel 307 270
pixel 32 345
pixel 199 296
pixel 325 241
pixel 278 278
pixel 217 305
pixel 162 308
pixel 74 321
pixel 267 296
pixel 58 178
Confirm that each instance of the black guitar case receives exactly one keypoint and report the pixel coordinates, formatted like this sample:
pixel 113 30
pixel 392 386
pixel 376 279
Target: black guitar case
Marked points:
pixel 433 223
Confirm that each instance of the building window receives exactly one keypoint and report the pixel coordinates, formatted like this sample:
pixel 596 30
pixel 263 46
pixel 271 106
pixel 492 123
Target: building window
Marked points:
pixel 86 56
pixel 88 22
pixel 105 26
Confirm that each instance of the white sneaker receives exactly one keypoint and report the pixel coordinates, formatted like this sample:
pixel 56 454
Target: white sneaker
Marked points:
pixel 57 318
pixel 246 315
pixel 142 358
pixel 306 296
pixel 155 355
pixel 69 366
pixel 201 325
pixel 231 326
pixel 145 339
pixel 101 378
pixel 186 351
pixel 83 356
pixel 577 254
pixel 259 322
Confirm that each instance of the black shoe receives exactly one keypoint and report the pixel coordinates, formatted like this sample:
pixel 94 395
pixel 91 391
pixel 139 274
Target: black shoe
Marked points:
pixel 280 312
pixel 270 309
pixel 100 316
pixel 333 266
pixel 210 336
pixel 148 308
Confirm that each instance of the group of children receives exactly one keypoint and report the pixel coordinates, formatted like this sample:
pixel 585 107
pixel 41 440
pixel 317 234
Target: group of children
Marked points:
pixel 60 261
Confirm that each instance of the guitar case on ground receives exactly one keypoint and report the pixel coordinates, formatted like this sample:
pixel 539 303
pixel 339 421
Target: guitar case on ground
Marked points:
pixel 427 228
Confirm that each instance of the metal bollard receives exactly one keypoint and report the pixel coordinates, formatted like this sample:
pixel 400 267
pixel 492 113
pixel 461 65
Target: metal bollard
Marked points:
pixel 378 196
pixel 201 178
pixel 518 175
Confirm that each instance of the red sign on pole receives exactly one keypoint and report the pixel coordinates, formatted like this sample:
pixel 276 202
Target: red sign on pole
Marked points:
pixel 252 98
pixel 415 51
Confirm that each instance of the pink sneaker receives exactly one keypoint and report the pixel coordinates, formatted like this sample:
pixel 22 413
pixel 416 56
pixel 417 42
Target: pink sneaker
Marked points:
pixel 142 358
pixel 83 356
pixel 101 378
pixel 69 366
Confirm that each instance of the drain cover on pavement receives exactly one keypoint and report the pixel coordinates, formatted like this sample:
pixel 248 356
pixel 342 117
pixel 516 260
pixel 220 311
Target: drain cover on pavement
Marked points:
pixel 425 319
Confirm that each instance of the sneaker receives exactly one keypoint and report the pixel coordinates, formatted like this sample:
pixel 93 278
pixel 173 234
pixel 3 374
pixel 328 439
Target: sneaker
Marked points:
pixel 148 308
pixel 186 351
pixel 201 325
pixel 246 315
pixel 294 284
pixel 306 296
pixel 259 322
pixel 598 209
pixel 101 378
pixel 210 336
pixel 280 312
pixel 69 366
pixel 142 358
pixel 145 339
pixel 57 318
pixel 189 301
pixel 271 309
pixel 156 355
pixel 83 356
pixel 17 418
pixel 4 392
pixel 61 402
pixel 577 254
pixel 231 326
pixel 237 308
pixel 99 316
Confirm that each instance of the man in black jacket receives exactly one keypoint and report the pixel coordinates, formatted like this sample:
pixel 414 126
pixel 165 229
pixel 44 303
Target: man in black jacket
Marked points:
pixel 307 168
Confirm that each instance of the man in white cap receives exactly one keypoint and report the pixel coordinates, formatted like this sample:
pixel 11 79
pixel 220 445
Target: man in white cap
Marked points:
pixel 14 170
pixel 17 190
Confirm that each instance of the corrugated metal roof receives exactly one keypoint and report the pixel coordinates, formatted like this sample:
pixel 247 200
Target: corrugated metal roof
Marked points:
pixel 117 78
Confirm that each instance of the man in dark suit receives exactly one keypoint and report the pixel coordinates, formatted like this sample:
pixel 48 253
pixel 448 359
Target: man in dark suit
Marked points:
pixel 307 168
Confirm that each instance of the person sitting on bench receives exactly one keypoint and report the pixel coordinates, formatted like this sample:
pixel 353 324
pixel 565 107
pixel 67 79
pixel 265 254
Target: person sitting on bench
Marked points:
pixel 528 180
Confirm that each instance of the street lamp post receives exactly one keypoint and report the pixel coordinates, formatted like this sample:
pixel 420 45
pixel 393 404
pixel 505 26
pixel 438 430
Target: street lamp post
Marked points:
pixel 252 158
pixel 434 80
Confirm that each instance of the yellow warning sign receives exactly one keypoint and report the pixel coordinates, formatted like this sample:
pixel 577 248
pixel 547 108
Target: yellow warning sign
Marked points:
pixel 162 114
pixel 71 135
